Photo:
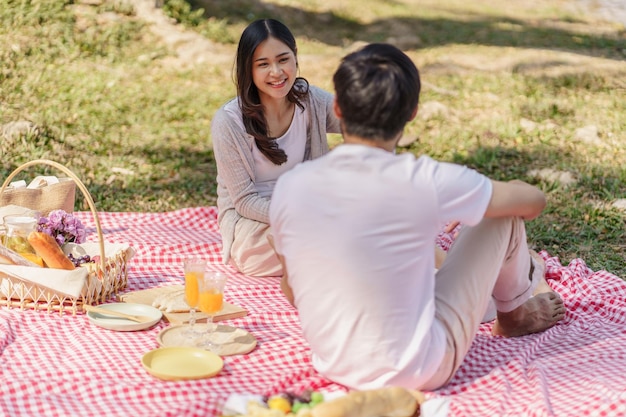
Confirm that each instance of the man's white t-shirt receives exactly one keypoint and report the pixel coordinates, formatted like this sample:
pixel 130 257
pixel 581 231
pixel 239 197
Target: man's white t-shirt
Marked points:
pixel 357 228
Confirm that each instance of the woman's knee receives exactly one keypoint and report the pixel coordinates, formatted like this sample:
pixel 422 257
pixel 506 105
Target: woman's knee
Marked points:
pixel 257 264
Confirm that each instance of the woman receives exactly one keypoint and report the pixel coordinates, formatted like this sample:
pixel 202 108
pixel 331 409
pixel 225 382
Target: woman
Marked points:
pixel 276 121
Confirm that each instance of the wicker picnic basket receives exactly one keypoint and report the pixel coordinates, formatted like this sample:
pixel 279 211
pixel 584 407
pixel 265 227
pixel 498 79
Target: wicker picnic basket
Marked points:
pixel 104 279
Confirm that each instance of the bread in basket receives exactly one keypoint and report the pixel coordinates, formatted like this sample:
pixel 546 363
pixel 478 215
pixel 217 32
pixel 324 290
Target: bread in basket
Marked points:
pixel 28 286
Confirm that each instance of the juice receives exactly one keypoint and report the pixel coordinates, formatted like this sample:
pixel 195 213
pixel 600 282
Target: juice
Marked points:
pixel 18 244
pixel 33 258
pixel 191 287
pixel 17 229
pixel 211 301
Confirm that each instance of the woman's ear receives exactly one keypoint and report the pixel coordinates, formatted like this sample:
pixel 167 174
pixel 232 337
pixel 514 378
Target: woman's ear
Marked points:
pixel 413 114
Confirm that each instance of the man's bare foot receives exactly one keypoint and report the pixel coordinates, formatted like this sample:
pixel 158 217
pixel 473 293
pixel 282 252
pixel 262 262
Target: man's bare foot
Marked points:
pixel 540 312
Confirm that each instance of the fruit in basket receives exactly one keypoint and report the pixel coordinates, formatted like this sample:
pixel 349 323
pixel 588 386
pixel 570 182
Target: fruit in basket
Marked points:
pixel 389 401
pixel 316 398
pixel 78 255
pixel 279 403
pixel 297 406
pixel 85 259
pixel 286 404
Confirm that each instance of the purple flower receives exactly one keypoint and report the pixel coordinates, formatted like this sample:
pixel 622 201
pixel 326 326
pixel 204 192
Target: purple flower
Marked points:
pixel 63 227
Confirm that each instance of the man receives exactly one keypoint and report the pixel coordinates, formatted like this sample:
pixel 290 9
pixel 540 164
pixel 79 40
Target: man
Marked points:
pixel 356 228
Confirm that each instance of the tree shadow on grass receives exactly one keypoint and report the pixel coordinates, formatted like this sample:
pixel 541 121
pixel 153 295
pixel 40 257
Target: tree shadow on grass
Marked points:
pixel 333 29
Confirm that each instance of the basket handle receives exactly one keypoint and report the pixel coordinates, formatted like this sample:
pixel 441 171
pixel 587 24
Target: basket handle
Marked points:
pixel 80 185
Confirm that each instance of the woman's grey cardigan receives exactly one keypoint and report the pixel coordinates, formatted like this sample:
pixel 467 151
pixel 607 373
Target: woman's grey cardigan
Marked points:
pixel 232 146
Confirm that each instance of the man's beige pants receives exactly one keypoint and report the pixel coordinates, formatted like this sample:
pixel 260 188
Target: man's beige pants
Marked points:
pixel 489 260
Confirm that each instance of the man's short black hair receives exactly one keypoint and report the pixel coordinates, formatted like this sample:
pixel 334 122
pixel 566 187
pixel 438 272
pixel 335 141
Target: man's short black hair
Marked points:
pixel 377 89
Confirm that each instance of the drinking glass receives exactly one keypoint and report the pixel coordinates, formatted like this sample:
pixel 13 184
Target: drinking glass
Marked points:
pixel 210 302
pixel 194 272
pixel 17 227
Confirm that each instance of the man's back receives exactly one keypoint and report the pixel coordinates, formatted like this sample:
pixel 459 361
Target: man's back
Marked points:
pixel 357 228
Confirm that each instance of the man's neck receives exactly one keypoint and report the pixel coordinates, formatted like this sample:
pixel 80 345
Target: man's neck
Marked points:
pixel 388 145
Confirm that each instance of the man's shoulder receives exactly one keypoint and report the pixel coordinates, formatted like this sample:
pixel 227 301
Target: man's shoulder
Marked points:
pixel 307 167
pixel 428 163
pixel 299 173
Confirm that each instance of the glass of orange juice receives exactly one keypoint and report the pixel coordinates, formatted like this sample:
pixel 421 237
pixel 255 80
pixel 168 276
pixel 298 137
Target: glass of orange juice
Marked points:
pixel 194 269
pixel 210 302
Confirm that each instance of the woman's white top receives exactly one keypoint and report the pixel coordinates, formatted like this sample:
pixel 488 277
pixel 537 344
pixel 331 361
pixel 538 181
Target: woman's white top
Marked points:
pixel 293 143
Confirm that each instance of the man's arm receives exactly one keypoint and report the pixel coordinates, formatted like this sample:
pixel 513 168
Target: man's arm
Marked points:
pixel 515 199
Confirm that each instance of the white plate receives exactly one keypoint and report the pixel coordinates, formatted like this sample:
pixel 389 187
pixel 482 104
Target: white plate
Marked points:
pixel 178 363
pixel 122 324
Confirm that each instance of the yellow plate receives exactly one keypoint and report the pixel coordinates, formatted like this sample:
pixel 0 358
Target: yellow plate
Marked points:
pixel 178 363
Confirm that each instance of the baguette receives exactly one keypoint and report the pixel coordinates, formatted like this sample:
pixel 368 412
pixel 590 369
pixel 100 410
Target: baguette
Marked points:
pixel 389 402
pixel 49 250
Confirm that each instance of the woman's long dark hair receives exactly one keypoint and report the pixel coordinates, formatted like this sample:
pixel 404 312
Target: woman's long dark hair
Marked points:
pixel 251 108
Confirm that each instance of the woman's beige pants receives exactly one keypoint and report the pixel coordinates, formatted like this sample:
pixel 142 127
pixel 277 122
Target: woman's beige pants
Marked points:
pixel 251 252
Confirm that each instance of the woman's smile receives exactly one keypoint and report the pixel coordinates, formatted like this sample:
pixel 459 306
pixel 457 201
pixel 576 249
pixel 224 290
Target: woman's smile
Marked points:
pixel 274 69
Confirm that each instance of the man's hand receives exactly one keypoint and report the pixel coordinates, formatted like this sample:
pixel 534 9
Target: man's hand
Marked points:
pixel 451 226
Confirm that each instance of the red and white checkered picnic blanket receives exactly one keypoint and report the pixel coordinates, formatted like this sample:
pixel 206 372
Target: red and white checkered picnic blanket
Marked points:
pixel 53 365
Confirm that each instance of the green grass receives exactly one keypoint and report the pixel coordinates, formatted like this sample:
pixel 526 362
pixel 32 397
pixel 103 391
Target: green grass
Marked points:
pixel 107 93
